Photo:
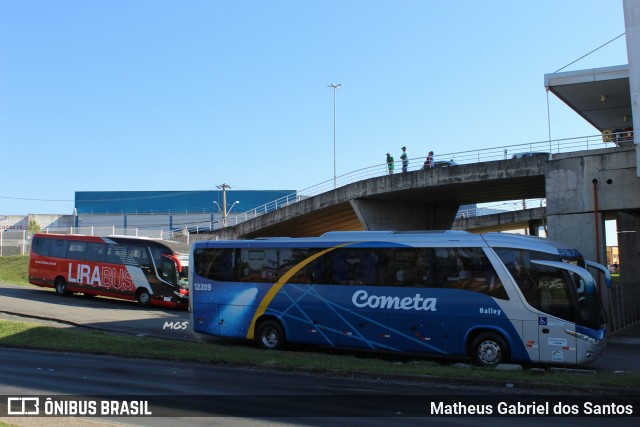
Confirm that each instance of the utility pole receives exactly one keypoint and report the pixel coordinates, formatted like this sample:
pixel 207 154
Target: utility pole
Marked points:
pixel 334 86
pixel 224 210
pixel 224 188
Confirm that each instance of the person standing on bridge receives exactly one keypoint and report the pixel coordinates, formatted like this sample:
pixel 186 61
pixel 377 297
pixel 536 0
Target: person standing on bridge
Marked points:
pixel 405 160
pixel 428 163
pixel 390 163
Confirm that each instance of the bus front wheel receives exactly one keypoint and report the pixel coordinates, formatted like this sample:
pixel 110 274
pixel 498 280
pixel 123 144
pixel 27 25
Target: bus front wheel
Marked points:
pixel 143 297
pixel 61 287
pixel 270 335
pixel 489 350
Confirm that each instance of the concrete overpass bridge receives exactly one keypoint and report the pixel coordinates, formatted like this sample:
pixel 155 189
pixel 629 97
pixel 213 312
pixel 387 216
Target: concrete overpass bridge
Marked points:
pixel 530 219
pixel 418 200
pixel 430 199
pixel 582 189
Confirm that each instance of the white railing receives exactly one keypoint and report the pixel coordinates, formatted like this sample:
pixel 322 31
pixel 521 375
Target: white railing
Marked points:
pixel 16 242
pixel 552 147
pixel 484 209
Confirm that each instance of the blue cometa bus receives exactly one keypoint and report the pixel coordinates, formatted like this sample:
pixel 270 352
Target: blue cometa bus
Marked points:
pixel 492 297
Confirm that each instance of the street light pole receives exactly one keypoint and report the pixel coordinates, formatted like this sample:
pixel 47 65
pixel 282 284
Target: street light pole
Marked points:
pixel 334 86
pixel 224 188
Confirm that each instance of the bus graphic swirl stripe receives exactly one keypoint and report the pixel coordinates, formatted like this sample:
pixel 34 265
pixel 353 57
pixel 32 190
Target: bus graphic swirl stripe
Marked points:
pixel 262 307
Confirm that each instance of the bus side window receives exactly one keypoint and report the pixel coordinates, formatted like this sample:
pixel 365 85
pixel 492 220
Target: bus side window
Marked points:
pixel 96 252
pixel 77 250
pixel 425 268
pixel 41 246
pixel 353 267
pixel 313 273
pixel 116 254
pixel 59 248
pixel 140 257
pixel 291 258
pixel 447 273
pixel 257 265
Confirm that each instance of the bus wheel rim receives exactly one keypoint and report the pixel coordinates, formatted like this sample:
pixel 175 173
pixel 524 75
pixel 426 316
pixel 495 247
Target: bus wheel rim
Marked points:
pixel 489 352
pixel 270 337
pixel 144 297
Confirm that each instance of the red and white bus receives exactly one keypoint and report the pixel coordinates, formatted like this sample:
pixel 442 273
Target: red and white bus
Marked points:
pixel 150 271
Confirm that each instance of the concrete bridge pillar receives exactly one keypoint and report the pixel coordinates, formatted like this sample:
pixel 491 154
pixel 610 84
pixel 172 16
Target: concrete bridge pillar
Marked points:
pixel 627 294
pixel 400 215
pixel 534 227
pixel 578 230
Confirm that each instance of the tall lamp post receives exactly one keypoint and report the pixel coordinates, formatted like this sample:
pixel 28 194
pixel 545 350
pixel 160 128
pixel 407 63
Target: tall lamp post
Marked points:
pixel 334 86
pixel 224 210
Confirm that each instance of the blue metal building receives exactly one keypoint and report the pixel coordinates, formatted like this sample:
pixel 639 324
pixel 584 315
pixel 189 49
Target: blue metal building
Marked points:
pixel 173 202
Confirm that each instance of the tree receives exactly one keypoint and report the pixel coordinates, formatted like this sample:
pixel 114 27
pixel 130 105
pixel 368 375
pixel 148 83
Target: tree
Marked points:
pixel 34 227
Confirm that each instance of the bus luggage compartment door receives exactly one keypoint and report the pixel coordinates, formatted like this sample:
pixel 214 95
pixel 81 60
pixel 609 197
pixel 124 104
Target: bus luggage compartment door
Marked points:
pixel 205 318
pixel 416 333
pixel 364 330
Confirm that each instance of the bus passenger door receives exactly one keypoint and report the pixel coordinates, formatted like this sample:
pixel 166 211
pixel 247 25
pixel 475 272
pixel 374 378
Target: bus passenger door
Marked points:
pixel 559 310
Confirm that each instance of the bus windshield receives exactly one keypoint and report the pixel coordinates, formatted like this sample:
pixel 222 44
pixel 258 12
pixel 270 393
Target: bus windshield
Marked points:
pixel 553 286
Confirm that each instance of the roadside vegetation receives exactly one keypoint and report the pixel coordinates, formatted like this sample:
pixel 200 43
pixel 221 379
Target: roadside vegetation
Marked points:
pixel 13 270
pixel 33 335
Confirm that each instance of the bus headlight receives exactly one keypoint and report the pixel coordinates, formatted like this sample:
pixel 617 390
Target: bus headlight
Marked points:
pixel 583 337
pixel 182 293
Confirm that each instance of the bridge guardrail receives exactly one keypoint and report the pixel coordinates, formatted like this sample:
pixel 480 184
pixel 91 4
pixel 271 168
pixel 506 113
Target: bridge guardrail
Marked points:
pixel 552 147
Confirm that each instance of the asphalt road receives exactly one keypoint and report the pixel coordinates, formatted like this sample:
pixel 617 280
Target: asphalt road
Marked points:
pixel 243 391
pixel 128 317
pixel 191 394
pixel 95 312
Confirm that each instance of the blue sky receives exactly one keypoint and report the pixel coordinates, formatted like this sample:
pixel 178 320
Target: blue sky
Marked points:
pixel 166 95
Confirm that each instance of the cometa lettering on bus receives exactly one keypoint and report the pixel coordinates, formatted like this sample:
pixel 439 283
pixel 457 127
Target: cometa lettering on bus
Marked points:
pixel 362 299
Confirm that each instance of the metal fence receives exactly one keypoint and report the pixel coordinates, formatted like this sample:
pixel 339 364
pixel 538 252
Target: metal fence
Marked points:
pixel 18 242
pixel 14 242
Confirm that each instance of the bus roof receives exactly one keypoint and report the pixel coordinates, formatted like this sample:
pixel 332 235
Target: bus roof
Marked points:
pixel 409 238
pixel 178 247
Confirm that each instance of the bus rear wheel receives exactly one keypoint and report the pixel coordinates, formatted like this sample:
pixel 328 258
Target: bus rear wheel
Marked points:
pixel 489 350
pixel 143 298
pixel 270 335
pixel 61 287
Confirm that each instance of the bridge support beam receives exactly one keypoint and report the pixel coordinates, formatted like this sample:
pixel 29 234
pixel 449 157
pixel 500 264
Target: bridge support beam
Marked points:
pixel 400 215
pixel 627 295
pixel 578 231
pixel 534 227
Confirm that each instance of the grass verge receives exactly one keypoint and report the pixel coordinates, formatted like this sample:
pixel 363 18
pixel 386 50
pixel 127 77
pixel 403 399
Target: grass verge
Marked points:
pixel 32 335
pixel 14 269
